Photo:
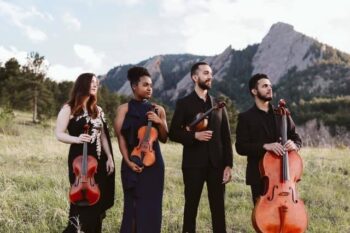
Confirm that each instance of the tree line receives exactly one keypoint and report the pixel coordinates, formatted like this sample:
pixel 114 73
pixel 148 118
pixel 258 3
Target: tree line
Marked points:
pixel 27 88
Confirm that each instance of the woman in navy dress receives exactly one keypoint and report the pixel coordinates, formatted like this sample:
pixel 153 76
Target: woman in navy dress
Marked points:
pixel 142 185
pixel 82 109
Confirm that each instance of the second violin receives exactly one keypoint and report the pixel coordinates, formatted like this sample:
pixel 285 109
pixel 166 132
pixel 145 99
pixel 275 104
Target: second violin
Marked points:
pixel 143 154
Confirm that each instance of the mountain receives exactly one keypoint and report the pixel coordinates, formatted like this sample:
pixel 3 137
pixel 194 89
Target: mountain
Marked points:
pixel 282 49
pixel 300 68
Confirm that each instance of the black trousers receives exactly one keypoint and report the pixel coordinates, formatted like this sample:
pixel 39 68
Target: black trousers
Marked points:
pixel 194 179
pixel 257 190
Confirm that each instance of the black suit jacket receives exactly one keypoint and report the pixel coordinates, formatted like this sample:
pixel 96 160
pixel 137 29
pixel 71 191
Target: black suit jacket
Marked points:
pixel 251 134
pixel 194 151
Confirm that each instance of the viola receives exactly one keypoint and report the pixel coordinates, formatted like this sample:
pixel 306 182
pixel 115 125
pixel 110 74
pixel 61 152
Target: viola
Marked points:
pixel 200 122
pixel 280 210
pixel 84 191
pixel 143 154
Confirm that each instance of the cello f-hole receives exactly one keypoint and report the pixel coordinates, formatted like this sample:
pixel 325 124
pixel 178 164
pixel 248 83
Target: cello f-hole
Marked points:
pixel 273 193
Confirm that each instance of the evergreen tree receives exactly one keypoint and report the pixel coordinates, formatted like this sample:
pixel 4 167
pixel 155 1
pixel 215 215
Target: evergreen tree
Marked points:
pixel 39 96
pixel 8 86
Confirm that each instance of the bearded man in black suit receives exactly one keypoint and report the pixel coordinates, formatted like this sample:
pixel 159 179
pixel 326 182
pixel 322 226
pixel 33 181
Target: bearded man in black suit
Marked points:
pixel 207 155
pixel 259 130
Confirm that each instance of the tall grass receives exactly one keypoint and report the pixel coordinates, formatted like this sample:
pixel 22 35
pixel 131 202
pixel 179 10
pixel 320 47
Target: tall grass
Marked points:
pixel 34 186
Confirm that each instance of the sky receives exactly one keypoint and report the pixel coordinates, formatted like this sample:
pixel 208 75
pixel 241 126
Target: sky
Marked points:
pixel 78 36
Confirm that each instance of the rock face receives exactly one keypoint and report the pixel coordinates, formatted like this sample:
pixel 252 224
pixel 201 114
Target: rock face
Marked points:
pixel 282 49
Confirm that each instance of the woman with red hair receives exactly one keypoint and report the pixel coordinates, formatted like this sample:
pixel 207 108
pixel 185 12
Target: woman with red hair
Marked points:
pixel 82 109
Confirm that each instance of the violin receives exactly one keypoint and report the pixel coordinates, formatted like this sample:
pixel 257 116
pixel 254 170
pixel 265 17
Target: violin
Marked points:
pixel 200 122
pixel 84 191
pixel 143 154
pixel 280 210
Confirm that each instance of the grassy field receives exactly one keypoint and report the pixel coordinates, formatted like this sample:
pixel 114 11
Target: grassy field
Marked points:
pixel 34 186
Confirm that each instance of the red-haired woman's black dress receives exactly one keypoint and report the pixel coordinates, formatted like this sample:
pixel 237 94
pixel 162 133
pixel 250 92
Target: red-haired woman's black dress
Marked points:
pixel 89 219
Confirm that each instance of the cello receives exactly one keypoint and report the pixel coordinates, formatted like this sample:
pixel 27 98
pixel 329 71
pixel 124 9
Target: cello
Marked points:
pixel 279 209
pixel 84 191
pixel 143 154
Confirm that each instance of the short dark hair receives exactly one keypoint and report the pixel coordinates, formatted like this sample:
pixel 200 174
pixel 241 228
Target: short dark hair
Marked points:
pixel 195 67
pixel 135 73
pixel 255 79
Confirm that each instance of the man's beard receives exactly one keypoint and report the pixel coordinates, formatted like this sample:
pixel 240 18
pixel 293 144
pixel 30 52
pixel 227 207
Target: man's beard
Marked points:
pixel 264 98
pixel 203 85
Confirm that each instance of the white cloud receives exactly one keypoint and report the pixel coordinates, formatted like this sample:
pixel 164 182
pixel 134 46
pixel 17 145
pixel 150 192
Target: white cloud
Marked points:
pixel 209 26
pixel 42 15
pixel 125 2
pixel 71 22
pixel 12 52
pixel 214 25
pixel 130 2
pixel 59 72
pixel 89 55
pixel 180 8
pixel 35 34
pixel 19 17
pixel 92 3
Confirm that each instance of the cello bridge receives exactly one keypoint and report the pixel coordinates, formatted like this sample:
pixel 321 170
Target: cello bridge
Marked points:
pixel 284 194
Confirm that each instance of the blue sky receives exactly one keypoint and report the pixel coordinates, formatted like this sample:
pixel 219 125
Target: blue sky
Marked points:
pixel 95 35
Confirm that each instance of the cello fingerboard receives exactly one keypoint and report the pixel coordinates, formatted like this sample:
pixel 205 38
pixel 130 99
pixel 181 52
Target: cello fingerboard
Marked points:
pixel 285 161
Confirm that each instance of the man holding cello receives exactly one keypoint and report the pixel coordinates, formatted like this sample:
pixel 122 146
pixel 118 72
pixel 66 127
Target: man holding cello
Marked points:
pixel 207 152
pixel 257 132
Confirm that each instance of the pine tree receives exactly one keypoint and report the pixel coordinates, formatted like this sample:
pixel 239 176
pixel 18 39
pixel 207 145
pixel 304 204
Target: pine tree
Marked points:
pixel 8 75
pixel 40 98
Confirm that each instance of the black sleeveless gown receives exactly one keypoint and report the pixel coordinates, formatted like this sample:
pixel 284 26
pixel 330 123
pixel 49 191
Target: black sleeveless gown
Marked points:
pixel 90 217
pixel 143 192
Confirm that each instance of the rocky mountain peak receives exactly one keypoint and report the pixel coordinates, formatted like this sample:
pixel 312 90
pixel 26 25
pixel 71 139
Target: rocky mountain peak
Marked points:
pixel 281 27
pixel 282 49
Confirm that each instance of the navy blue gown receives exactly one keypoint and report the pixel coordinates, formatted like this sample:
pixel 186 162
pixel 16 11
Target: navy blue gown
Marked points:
pixel 143 192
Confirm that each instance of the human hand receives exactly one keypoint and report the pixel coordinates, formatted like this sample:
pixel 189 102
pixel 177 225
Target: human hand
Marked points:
pixel 227 175
pixel 109 165
pixel 275 147
pixel 135 167
pixel 203 135
pixel 152 116
pixel 83 138
pixel 290 145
